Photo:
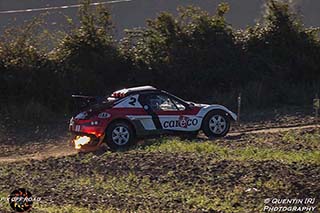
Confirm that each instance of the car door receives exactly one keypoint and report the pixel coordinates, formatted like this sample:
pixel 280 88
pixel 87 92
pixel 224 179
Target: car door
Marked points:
pixel 168 113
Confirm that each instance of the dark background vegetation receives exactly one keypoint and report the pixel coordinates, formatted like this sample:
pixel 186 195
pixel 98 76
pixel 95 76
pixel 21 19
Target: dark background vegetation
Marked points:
pixel 195 55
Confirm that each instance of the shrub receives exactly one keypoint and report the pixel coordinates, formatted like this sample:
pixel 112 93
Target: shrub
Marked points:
pixel 193 55
pixel 88 57
pixel 196 55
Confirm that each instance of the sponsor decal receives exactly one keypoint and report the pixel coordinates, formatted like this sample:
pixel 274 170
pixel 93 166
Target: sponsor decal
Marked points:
pixel 182 122
pixel 104 115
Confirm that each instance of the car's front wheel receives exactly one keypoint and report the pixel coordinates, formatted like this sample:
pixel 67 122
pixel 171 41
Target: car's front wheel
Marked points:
pixel 120 135
pixel 216 124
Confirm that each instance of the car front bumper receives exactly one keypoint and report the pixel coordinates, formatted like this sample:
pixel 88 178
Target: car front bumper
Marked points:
pixel 83 128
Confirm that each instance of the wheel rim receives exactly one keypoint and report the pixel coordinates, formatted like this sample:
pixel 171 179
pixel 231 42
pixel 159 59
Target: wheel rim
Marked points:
pixel 120 135
pixel 217 124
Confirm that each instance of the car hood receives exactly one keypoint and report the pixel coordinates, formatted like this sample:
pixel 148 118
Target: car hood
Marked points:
pixel 201 105
pixel 197 104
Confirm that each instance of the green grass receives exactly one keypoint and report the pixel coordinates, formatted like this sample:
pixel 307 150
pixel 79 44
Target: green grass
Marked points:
pixel 4 204
pixel 244 154
pixel 70 209
pixel 309 138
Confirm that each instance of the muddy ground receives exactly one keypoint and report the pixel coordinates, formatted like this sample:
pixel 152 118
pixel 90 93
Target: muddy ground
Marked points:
pixel 237 174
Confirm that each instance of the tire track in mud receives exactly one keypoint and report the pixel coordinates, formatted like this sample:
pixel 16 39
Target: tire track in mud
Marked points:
pixel 63 149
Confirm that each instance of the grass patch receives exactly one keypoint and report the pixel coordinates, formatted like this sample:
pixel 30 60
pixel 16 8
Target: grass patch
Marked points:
pixel 4 204
pixel 224 153
pixel 143 194
pixel 70 209
pixel 309 138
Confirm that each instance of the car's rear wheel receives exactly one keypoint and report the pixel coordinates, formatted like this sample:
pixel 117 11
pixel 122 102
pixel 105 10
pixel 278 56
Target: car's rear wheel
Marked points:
pixel 120 135
pixel 216 124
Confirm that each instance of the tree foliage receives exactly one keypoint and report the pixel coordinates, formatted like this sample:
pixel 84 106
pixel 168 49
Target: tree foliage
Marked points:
pixel 88 56
pixel 186 53
pixel 194 54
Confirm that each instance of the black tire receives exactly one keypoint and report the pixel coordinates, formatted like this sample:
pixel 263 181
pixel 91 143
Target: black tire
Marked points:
pixel 224 124
pixel 113 143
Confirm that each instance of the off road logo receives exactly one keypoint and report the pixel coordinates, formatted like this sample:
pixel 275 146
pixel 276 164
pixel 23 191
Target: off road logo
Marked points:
pixel 20 200
pixel 183 122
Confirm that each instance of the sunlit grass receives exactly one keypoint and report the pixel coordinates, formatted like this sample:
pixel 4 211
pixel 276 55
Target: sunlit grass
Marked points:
pixel 224 153
pixel 309 138
pixel 71 209
pixel 4 204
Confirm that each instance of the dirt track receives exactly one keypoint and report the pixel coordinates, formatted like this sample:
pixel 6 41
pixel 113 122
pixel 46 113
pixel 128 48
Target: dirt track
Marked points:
pixel 58 151
pixel 275 129
pixel 61 148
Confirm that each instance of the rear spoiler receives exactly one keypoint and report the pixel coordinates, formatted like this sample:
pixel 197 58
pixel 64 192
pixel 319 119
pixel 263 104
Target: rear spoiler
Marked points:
pixel 83 97
pixel 83 101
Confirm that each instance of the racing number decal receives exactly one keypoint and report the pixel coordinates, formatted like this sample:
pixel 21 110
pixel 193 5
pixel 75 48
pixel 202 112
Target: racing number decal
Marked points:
pixel 129 102
pixel 132 101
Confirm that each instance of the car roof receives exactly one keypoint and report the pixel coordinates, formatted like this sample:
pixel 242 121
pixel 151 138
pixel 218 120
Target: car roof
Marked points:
pixel 142 89
pixel 127 91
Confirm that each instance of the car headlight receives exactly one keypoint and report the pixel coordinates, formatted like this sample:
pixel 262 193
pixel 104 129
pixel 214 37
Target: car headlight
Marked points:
pixel 81 115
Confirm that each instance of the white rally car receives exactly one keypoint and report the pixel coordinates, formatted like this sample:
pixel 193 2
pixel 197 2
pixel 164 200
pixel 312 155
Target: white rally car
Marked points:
pixel 132 113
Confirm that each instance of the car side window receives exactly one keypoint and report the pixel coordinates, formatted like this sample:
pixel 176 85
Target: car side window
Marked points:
pixel 179 105
pixel 161 102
